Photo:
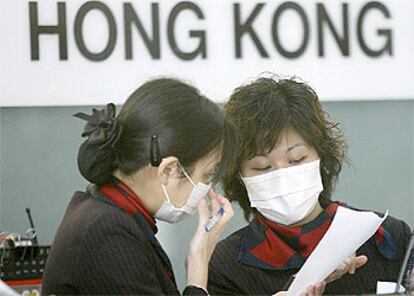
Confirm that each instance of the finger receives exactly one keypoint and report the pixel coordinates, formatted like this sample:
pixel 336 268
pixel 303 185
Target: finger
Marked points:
pixel 215 204
pixel 226 214
pixel 310 290
pixel 345 265
pixel 341 268
pixel 228 209
pixel 332 277
pixel 211 194
pixel 222 201
pixel 319 289
pixel 348 261
pixel 203 213
pixel 223 204
pixel 335 275
pixel 352 267
pixel 322 288
pixel 360 261
pixel 353 256
pixel 220 198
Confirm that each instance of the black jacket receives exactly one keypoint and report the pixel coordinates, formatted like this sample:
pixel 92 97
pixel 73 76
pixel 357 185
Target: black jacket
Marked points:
pixel 227 276
pixel 100 250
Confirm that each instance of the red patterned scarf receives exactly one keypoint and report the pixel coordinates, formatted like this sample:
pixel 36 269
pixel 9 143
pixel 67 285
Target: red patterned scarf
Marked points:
pixel 124 198
pixel 273 246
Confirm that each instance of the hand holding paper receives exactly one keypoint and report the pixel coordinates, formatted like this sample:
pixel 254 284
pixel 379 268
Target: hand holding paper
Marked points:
pixel 348 231
pixel 349 265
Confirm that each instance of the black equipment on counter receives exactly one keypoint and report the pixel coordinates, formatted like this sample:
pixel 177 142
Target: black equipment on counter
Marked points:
pixel 22 260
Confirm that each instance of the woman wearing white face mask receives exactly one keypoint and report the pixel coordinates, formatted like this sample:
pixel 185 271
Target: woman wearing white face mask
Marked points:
pixel 288 160
pixel 155 160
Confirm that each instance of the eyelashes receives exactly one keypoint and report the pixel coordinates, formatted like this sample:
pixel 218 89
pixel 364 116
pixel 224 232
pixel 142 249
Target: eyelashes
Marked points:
pixel 297 161
pixel 292 162
pixel 263 169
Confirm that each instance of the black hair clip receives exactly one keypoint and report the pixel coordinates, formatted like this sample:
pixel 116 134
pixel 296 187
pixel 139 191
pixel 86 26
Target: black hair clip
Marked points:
pixel 155 154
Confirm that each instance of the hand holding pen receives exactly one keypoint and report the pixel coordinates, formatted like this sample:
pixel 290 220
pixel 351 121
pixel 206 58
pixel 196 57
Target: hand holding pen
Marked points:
pixel 214 220
pixel 216 215
pixel 207 234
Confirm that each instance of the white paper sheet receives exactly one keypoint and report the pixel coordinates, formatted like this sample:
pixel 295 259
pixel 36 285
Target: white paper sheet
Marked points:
pixel 348 231
pixel 388 288
pixel 6 290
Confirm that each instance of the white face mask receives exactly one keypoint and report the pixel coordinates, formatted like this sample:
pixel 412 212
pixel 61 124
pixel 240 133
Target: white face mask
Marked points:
pixel 287 195
pixel 171 214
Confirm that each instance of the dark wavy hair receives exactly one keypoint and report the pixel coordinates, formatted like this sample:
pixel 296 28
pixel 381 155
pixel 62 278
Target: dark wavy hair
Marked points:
pixel 188 125
pixel 264 108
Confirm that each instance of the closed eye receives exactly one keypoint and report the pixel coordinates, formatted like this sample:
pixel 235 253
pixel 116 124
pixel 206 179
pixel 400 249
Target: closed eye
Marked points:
pixel 263 169
pixel 298 161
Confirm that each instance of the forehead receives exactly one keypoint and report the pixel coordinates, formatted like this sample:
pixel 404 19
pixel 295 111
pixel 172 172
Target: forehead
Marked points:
pixel 289 137
pixel 285 139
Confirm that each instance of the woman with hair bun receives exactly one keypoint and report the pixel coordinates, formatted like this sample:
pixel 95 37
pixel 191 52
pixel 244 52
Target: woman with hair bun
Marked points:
pixel 155 160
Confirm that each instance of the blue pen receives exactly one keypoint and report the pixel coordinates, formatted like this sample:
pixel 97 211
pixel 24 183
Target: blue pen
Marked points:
pixel 214 220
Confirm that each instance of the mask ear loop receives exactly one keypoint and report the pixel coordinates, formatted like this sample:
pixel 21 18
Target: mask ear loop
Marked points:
pixel 164 189
pixel 192 182
pixel 185 174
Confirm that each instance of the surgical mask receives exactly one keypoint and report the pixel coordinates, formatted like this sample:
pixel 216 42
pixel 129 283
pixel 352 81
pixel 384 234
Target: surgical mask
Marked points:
pixel 171 214
pixel 287 195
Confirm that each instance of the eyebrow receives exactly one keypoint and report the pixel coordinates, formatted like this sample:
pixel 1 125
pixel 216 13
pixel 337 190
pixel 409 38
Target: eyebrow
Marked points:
pixel 256 155
pixel 296 145
pixel 287 150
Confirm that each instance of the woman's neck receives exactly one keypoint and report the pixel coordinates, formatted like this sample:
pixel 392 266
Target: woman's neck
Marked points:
pixel 142 188
pixel 315 213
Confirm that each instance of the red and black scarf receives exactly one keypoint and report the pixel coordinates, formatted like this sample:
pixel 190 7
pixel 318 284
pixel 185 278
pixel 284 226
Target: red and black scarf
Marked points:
pixel 273 246
pixel 120 195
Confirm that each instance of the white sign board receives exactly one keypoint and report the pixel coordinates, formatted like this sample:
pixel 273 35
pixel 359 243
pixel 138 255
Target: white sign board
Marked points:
pixel 73 52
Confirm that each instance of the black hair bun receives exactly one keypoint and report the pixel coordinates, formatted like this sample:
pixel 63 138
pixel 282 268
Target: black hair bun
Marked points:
pixel 95 164
pixel 97 154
